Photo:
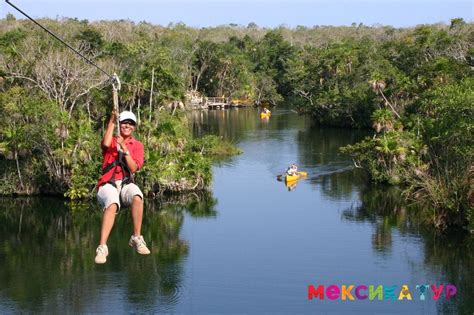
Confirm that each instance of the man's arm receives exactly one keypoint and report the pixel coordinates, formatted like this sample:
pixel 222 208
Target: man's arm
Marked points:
pixel 133 162
pixel 109 132
pixel 132 165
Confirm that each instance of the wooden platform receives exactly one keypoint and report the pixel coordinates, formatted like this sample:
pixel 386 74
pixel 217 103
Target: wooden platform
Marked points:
pixel 217 102
pixel 225 102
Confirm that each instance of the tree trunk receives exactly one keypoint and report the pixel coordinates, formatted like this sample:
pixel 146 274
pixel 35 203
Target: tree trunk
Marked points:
pixel 151 92
pixel 388 103
pixel 18 170
pixel 138 111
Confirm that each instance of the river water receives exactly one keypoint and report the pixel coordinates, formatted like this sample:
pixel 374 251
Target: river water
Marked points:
pixel 251 245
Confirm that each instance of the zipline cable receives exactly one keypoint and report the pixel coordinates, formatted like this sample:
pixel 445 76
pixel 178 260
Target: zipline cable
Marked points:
pixel 61 40
pixel 113 78
pixel 116 85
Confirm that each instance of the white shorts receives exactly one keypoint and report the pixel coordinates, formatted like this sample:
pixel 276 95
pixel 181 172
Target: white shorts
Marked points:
pixel 108 194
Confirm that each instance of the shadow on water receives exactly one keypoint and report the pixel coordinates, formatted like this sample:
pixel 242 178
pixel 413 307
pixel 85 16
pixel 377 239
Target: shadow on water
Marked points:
pixel 449 257
pixel 47 254
pixel 319 155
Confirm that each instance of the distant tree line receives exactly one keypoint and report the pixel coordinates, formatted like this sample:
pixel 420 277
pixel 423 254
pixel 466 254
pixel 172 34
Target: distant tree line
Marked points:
pixel 412 85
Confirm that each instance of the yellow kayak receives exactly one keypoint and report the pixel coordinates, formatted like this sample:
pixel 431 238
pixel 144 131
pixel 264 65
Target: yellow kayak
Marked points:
pixel 290 178
pixel 265 115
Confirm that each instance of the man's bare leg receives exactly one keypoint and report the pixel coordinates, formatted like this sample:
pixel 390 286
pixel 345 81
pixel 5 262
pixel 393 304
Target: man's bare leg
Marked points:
pixel 108 220
pixel 137 240
pixel 137 215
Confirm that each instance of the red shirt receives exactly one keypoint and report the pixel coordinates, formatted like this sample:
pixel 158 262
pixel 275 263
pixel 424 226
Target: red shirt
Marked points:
pixel 110 154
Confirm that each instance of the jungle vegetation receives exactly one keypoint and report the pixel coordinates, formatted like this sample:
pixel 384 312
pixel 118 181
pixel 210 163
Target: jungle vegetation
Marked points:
pixel 413 86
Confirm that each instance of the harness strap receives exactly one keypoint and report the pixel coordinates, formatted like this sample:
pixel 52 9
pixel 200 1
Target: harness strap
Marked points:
pixel 126 180
pixel 119 161
pixel 108 167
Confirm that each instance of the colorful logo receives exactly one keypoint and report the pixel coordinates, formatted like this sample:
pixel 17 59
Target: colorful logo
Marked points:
pixel 381 292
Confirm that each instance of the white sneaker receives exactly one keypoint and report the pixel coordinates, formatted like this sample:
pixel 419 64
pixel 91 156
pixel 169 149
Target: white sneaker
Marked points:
pixel 101 254
pixel 139 244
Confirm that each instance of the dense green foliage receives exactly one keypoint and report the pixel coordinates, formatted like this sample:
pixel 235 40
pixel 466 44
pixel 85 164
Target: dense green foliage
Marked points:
pixel 57 106
pixel 433 157
pixel 425 121
pixel 412 85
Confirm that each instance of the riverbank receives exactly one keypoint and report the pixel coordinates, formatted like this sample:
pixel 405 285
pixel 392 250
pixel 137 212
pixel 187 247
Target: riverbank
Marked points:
pixel 175 162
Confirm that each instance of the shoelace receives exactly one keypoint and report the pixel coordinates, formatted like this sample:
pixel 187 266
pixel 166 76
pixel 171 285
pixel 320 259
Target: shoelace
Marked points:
pixel 101 250
pixel 140 241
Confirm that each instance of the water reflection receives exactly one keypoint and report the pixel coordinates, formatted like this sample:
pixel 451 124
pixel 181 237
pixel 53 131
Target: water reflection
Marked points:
pixel 291 185
pixel 401 249
pixel 332 171
pixel 450 258
pixel 227 123
pixel 239 123
pixel 313 148
pixel 47 254
pixel 330 229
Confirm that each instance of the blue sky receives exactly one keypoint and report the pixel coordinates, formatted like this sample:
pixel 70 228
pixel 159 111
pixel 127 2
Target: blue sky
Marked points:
pixel 266 13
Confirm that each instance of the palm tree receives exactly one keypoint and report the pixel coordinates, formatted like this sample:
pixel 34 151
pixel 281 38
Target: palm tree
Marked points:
pixel 382 120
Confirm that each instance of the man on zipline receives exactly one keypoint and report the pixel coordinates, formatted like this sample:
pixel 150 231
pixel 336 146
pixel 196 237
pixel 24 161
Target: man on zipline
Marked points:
pixel 123 155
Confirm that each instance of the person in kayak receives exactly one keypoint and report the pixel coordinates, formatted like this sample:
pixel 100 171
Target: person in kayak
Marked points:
pixel 123 155
pixel 292 170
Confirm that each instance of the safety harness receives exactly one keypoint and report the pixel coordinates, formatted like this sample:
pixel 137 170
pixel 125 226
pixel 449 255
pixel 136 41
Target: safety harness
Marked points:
pixel 125 169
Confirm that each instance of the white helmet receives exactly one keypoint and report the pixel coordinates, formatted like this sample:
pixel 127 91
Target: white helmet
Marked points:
pixel 126 115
